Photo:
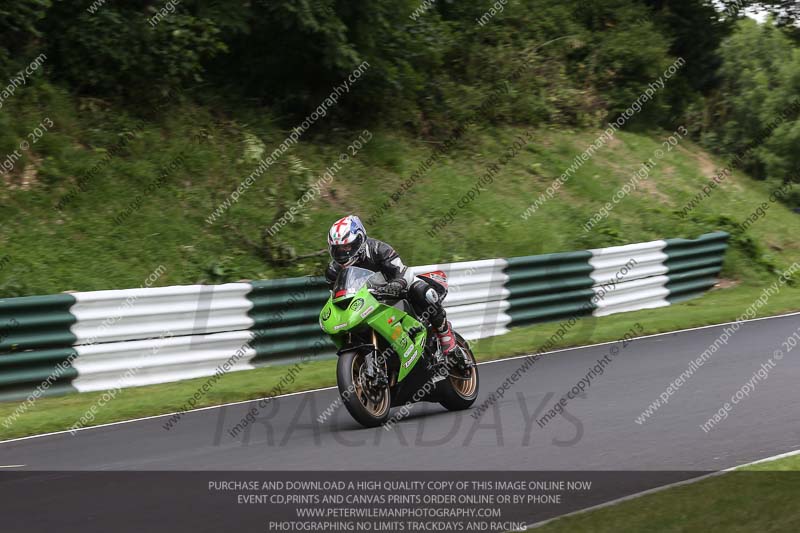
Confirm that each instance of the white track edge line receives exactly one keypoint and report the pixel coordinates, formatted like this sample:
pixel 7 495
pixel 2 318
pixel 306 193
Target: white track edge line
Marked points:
pixel 334 386
pixel 654 490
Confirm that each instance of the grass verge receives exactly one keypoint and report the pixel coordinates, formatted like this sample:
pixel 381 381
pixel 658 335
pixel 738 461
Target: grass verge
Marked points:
pixel 761 497
pixel 59 413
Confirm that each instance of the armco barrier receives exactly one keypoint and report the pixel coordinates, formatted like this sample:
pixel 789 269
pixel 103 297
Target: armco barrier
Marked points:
pixel 605 281
pixel 89 341
pixel 548 287
pixel 693 265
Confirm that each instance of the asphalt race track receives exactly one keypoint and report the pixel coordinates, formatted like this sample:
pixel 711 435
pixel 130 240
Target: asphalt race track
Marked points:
pixel 596 432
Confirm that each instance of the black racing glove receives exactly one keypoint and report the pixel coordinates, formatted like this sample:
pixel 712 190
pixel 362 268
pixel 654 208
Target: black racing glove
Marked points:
pixel 395 289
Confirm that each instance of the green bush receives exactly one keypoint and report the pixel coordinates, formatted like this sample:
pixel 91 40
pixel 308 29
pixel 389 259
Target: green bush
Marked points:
pixel 115 51
pixel 760 81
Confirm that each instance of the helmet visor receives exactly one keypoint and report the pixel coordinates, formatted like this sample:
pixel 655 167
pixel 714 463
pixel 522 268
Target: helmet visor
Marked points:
pixel 344 254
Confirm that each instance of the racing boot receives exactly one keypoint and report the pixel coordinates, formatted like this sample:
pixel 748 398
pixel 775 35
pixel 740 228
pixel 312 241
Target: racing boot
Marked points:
pixel 447 338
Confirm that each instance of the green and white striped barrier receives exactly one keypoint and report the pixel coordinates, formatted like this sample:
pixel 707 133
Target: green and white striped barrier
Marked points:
pixel 89 341
pixel 604 281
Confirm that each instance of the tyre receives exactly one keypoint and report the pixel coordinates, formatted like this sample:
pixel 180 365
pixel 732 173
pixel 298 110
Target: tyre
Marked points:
pixel 460 389
pixel 367 406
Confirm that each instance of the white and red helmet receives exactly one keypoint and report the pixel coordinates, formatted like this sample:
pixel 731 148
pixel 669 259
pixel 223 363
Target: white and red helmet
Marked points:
pixel 347 240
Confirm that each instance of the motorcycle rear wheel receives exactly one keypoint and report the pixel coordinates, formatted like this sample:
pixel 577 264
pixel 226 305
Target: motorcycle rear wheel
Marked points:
pixel 460 389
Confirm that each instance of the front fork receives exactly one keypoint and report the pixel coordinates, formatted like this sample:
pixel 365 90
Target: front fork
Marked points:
pixel 375 368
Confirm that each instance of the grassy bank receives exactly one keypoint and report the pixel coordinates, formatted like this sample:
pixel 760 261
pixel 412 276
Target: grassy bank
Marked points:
pixel 203 156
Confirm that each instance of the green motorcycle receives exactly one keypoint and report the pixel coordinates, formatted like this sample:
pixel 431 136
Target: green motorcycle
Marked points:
pixel 387 356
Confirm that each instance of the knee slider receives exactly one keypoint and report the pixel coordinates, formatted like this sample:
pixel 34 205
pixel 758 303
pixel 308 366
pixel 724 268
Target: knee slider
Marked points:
pixel 431 296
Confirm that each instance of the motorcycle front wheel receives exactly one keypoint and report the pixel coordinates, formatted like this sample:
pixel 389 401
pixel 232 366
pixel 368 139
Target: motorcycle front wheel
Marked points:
pixel 368 405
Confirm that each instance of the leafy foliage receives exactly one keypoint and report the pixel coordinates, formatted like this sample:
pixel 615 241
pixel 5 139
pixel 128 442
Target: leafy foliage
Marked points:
pixel 18 26
pixel 569 63
pixel 117 51
pixel 759 87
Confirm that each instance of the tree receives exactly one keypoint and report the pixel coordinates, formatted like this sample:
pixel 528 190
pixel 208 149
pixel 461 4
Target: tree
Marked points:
pixel 760 86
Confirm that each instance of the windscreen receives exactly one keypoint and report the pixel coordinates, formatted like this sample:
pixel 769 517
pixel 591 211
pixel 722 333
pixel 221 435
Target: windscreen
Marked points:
pixel 349 281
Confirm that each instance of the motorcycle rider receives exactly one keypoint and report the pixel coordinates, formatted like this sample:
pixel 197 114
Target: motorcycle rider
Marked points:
pixel 349 245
